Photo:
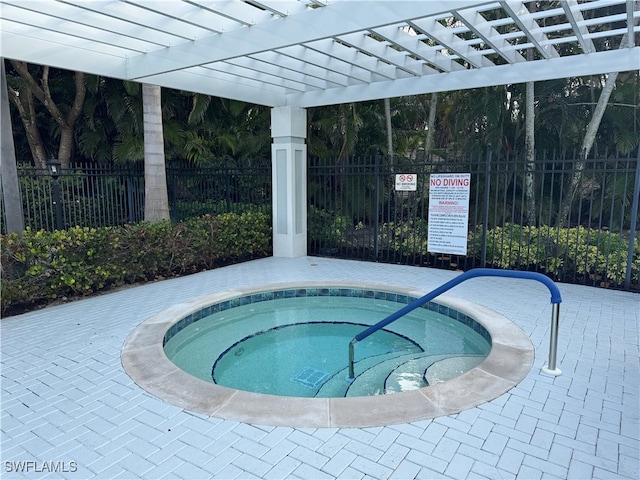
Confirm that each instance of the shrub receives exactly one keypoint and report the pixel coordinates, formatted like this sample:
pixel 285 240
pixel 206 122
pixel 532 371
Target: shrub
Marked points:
pixel 403 238
pixel 564 253
pixel 195 208
pixel 43 266
pixel 327 228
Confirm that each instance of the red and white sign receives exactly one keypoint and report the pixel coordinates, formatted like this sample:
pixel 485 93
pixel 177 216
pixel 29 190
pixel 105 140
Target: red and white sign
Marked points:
pixel 448 213
pixel 406 182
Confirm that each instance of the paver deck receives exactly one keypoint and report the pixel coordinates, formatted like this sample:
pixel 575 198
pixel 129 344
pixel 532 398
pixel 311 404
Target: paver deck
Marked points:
pixel 69 410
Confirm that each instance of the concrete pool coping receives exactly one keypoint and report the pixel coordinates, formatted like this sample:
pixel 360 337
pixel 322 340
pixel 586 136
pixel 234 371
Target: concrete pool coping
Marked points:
pixel 144 360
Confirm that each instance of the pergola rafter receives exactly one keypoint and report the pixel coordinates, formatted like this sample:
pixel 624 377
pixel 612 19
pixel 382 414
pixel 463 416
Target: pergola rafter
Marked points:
pixel 314 52
pixel 578 25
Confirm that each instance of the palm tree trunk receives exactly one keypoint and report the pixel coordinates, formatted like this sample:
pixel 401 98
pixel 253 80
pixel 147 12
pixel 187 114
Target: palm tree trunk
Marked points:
pixel 431 123
pixel 387 115
pixel 156 200
pixel 529 187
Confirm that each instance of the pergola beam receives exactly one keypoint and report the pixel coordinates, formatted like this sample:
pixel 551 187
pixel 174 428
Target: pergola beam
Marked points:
pixel 596 63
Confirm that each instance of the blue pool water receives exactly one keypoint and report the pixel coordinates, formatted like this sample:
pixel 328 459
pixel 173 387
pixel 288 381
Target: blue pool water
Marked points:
pixel 297 344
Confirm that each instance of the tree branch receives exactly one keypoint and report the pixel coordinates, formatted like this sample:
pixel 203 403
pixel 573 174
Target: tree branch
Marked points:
pixel 48 100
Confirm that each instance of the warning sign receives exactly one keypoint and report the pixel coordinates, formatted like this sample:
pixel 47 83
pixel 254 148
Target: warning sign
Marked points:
pixel 406 182
pixel 448 213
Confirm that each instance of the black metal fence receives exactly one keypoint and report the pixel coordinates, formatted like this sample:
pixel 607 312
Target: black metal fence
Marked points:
pixel 96 196
pixel 87 196
pixel 356 212
pixel 227 187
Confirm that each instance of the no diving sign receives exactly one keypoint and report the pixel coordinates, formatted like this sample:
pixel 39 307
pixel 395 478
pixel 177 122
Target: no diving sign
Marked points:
pixel 406 182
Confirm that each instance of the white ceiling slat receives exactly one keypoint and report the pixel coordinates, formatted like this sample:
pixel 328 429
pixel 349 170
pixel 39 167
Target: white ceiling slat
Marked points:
pixel 314 52
pixel 131 14
pixel 632 10
pixel 522 72
pixel 596 22
pixel 574 15
pixel 477 24
pixel 282 8
pixel 182 13
pixel 291 68
pixel 382 52
pixel 69 16
pixel 439 33
pixel 53 50
pixel 346 60
pixel 414 46
pixel 525 21
pixel 285 70
pixel 99 39
pixel 218 84
pixel 260 76
pixel 314 24
pixel 317 60
pixel 238 12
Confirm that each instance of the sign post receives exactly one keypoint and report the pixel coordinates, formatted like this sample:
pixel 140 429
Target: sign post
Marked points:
pixel 448 213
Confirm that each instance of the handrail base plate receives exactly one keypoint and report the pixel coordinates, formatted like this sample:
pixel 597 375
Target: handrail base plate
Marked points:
pixel 556 372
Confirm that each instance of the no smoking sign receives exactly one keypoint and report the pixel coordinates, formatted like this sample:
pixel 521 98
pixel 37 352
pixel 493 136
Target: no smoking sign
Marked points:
pixel 406 182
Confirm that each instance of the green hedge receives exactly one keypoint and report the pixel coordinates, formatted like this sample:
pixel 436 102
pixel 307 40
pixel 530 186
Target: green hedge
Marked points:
pixel 564 253
pixel 326 227
pixel 44 266
pixel 188 209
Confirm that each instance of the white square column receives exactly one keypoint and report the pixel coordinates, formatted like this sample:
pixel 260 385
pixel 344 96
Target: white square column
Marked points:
pixel 289 181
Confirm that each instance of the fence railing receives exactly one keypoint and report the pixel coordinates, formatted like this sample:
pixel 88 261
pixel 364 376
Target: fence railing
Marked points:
pixel 516 215
pixel 96 196
pixel 516 211
pixel 89 196
pixel 227 187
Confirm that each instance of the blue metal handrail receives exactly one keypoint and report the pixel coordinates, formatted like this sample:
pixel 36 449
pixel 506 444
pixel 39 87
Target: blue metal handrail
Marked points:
pixel 556 299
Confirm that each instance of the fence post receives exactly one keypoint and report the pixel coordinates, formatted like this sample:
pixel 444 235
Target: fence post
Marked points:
pixel 376 220
pixel 485 213
pixel 227 185
pixel 174 210
pixel 633 226
pixel 129 183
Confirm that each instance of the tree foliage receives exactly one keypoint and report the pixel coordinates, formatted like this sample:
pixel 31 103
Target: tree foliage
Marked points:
pixel 105 118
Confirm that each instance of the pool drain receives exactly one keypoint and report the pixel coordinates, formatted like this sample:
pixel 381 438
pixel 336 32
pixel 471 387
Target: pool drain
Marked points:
pixel 310 377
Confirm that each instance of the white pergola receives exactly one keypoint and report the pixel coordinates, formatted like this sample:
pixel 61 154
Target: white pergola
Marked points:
pixel 296 54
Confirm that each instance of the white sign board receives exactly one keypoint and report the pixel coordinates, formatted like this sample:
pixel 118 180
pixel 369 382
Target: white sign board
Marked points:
pixel 448 213
pixel 406 182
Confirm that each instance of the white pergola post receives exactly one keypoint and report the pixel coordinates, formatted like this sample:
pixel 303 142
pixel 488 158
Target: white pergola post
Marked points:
pixel 289 181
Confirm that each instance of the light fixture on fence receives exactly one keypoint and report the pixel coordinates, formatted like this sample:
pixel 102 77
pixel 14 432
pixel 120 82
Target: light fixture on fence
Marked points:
pixel 54 166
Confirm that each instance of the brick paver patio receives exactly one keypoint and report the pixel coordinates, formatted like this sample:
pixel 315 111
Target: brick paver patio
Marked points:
pixel 70 411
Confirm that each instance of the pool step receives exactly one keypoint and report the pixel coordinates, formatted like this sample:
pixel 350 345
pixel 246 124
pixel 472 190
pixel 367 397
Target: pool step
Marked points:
pixel 410 375
pixel 412 366
pixel 451 367
pixel 338 385
pixel 393 373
